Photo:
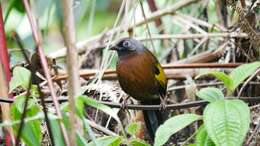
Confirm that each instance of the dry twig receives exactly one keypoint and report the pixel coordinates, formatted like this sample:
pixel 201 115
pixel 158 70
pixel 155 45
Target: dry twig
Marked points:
pixel 44 64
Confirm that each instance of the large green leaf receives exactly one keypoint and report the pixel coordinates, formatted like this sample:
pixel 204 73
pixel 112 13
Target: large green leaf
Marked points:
pixel 210 94
pixel 227 122
pixel 239 74
pixel 21 77
pixel 221 76
pixel 172 126
pixel 202 137
pixel 107 141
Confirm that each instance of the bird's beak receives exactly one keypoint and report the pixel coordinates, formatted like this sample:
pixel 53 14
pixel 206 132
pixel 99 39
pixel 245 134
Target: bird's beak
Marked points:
pixel 113 48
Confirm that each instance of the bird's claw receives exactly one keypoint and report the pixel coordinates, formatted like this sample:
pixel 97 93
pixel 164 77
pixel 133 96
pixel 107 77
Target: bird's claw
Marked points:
pixel 123 105
pixel 163 105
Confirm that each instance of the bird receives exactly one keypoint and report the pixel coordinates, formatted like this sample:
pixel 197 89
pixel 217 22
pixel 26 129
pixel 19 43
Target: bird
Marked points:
pixel 142 77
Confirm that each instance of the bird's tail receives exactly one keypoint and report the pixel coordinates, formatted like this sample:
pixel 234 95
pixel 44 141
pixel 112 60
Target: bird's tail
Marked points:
pixel 154 118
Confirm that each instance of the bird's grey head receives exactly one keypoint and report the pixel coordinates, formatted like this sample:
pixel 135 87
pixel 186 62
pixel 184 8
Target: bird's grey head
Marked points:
pixel 127 46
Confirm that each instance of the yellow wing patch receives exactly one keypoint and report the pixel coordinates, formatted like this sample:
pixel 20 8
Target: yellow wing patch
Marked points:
pixel 160 75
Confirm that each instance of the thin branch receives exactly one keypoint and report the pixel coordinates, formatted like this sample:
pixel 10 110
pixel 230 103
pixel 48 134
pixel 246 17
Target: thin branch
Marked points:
pixel 195 36
pixel 44 64
pixel 146 25
pixel 99 42
pixel 100 128
pixel 247 81
pixel 253 134
pixel 197 85
pixel 111 72
pixel 175 106
pixel 73 67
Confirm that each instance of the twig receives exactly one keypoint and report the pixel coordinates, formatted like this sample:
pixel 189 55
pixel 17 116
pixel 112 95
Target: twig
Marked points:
pixel 195 36
pixel 149 107
pixel 247 81
pixel 198 85
pixel 244 24
pixel 100 128
pixel 201 22
pixel 69 35
pixel 147 26
pixel 44 64
pixel 88 74
pixel 252 135
pixel 95 43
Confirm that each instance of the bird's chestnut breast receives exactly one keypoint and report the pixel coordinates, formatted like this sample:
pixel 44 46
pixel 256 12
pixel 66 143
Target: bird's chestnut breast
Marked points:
pixel 136 76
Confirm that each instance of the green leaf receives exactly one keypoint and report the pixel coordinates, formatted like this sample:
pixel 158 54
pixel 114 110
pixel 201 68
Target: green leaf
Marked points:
pixel 107 141
pixel 202 137
pixel 95 104
pixel 81 140
pixel 20 100
pixel 138 142
pixel 220 76
pixel 132 128
pixel 227 122
pixel 242 72
pixel 210 94
pixel 172 126
pixel 81 113
pixel 31 134
pixel 21 77
pixel 56 133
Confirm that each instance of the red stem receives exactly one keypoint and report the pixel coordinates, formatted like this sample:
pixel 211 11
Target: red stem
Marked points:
pixel 4 59
pixel 3 49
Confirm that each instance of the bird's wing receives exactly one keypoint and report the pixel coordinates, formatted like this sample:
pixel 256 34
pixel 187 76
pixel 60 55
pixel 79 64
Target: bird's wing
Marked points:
pixel 161 78
pixel 158 72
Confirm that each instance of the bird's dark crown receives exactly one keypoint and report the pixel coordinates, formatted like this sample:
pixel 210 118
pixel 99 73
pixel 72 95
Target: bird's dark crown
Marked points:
pixel 127 46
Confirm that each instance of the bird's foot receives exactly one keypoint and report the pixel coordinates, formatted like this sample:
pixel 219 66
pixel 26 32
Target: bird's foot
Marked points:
pixel 163 104
pixel 123 105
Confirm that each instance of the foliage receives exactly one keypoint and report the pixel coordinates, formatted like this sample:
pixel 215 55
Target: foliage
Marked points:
pixel 202 137
pixel 21 77
pixel 236 77
pixel 132 128
pixel 210 94
pixel 31 133
pixel 226 122
pixel 172 126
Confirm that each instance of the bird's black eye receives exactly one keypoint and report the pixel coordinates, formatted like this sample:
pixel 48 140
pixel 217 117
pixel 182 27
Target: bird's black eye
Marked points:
pixel 126 44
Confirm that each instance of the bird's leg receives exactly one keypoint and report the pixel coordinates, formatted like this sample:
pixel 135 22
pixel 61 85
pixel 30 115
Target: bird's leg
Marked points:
pixel 163 103
pixel 124 102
